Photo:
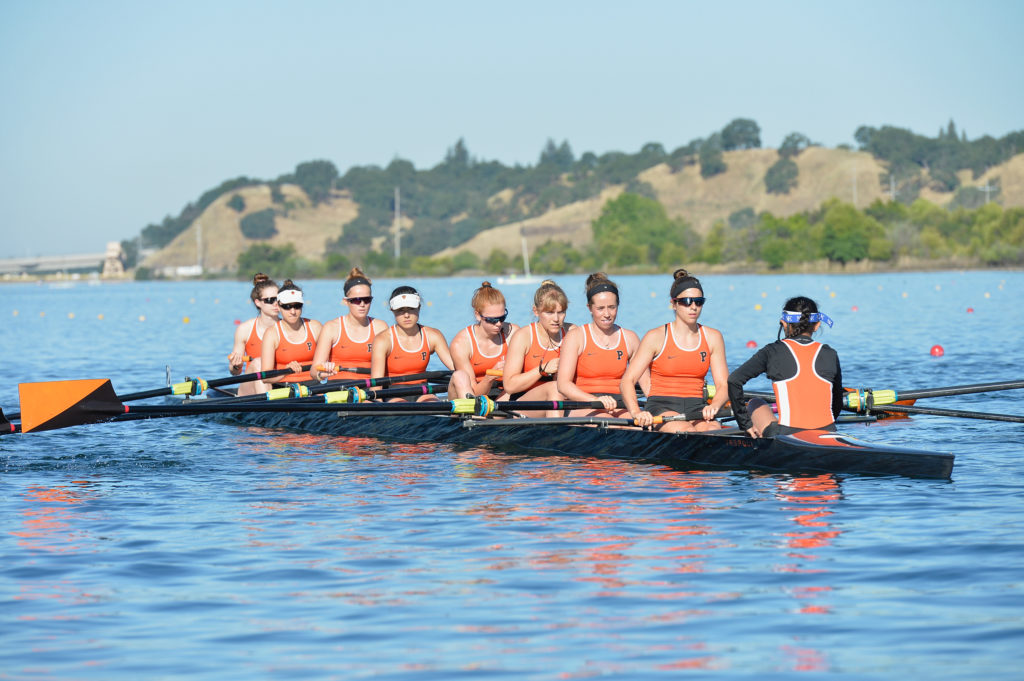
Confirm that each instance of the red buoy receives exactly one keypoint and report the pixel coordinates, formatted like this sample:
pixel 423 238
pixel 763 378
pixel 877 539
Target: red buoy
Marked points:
pixel 937 351
pixel 238 322
pixel 970 310
pixel 854 308
pixel 751 344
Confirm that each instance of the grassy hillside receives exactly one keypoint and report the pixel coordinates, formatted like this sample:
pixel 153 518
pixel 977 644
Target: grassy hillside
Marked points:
pixel 307 227
pixel 823 174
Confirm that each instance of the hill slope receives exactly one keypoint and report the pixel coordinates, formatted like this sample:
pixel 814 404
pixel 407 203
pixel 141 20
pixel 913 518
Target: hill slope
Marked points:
pixel 823 174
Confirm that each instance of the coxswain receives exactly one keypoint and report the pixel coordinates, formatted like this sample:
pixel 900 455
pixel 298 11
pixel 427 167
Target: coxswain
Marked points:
pixel 679 356
pixel 594 356
pixel 481 347
pixel 533 350
pixel 248 346
pixel 406 347
pixel 292 341
pixel 347 342
pixel 805 375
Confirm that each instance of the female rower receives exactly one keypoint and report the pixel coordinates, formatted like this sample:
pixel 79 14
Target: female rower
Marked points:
pixel 805 375
pixel 481 347
pixel 245 355
pixel 347 342
pixel 594 356
pixel 533 351
pixel 679 355
pixel 292 341
pixel 405 348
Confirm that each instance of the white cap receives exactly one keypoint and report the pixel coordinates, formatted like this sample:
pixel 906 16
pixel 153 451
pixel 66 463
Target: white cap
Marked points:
pixel 289 295
pixel 405 300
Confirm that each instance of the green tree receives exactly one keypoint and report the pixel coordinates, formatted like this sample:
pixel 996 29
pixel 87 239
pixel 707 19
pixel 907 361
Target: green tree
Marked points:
pixel 781 177
pixel 847 233
pixel 741 133
pixel 793 145
pixel 316 178
pixel 259 225
pixel 266 258
pixel 466 260
pixel 711 161
pixel 497 262
pixel 237 203
pixel 633 229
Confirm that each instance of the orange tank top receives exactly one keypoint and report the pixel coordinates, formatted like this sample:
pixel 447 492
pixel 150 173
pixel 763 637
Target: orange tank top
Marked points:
pixel 349 352
pixel 805 400
pixel 680 372
pixel 599 370
pixel 402 362
pixel 481 362
pixel 537 354
pixel 254 343
pixel 301 352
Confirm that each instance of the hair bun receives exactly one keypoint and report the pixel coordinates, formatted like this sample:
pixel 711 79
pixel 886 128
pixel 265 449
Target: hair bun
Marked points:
pixel 680 274
pixel 259 278
pixel 486 284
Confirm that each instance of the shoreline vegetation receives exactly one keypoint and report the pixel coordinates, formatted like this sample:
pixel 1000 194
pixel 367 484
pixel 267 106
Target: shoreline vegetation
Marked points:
pixel 900 201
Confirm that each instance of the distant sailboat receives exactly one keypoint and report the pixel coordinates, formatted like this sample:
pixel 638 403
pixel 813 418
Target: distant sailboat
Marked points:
pixel 527 278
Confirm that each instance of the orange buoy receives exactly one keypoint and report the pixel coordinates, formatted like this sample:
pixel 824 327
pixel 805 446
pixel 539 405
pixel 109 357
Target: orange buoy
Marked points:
pixel 238 322
pixel 854 308
pixel 970 310
pixel 751 344
pixel 937 351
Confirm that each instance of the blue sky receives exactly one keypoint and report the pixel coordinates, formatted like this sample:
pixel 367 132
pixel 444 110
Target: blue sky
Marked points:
pixel 116 114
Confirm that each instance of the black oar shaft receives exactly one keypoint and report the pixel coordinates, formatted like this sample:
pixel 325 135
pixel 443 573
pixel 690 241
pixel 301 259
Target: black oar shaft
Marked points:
pixel 931 411
pixel 959 390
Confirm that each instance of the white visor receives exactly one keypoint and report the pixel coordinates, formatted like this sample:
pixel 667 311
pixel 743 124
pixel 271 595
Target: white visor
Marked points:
pixel 289 295
pixel 405 300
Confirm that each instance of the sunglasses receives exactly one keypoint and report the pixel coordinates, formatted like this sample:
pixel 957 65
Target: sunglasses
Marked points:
pixel 360 300
pixel 269 301
pixel 688 301
pixel 291 306
pixel 495 320
pixel 406 310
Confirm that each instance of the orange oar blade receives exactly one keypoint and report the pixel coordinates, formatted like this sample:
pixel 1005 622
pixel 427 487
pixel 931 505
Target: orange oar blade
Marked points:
pixel 59 404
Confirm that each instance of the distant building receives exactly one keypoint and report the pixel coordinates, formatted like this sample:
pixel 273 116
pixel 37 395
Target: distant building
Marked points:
pixel 113 261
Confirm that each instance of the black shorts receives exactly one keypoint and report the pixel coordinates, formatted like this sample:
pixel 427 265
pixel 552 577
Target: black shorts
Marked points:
pixel 774 429
pixel 690 407
pixel 619 404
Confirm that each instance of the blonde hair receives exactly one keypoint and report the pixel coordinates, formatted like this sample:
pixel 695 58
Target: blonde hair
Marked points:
pixel 548 295
pixel 486 295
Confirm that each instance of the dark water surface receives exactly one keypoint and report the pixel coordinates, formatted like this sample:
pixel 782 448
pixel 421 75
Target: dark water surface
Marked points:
pixel 186 547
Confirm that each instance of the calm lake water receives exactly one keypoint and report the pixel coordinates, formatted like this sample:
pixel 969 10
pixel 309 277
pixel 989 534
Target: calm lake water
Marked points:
pixel 188 547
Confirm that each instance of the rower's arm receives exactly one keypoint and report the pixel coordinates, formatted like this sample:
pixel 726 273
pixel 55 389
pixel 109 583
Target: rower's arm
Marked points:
pixel 379 354
pixel 568 357
pixel 439 346
pixel 755 366
pixel 513 377
pixel 328 336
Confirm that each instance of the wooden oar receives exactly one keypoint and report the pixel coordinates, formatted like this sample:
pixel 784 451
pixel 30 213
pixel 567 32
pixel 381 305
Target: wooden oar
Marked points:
pixel 907 409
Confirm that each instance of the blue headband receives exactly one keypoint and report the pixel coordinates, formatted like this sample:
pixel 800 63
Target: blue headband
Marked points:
pixel 794 317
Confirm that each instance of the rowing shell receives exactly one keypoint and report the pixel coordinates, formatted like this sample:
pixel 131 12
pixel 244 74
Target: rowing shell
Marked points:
pixel 810 451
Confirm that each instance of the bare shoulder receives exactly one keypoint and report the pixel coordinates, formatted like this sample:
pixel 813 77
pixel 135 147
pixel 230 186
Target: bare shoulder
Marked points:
pixel 713 335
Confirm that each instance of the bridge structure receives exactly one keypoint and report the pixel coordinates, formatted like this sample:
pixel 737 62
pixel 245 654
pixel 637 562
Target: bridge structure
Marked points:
pixel 110 263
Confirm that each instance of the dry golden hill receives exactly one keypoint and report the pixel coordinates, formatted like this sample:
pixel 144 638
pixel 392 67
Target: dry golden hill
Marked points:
pixel 303 225
pixel 851 176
